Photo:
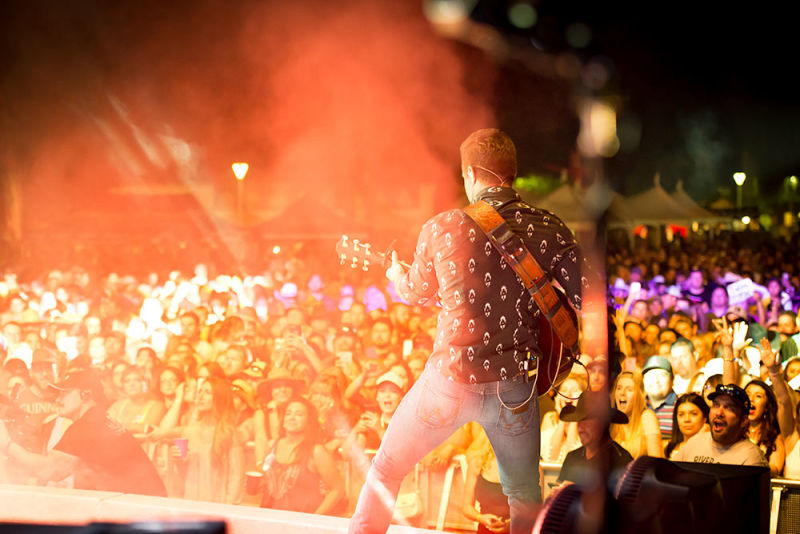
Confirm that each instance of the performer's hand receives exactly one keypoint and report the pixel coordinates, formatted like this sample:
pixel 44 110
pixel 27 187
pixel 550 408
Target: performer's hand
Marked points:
pixel 395 272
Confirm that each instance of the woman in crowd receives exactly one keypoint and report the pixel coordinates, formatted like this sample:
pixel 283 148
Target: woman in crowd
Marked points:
pixel 763 429
pixel 168 381
pixel 325 394
pixel 483 485
pixel 114 390
pixel 560 437
pixel 641 434
pixel 138 410
pixel 171 385
pixel 300 474
pixel 689 417
pixel 148 362
pixel 214 460
pixel 208 369
pixel 368 432
pixel 274 395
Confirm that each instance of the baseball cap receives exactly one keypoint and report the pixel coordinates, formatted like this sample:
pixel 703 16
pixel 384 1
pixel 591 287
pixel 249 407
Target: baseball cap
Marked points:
pixel 84 380
pixel 657 362
pixel 393 378
pixel 592 404
pixel 737 394
pixel 737 311
pixel 675 291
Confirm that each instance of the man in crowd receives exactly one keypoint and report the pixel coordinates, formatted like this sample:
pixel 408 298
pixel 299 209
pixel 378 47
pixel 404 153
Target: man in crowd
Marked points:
pixel 485 327
pixel 683 359
pixel 599 456
pixel 98 451
pixel 787 329
pixel 727 442
pixel 657 377
pixel 380 340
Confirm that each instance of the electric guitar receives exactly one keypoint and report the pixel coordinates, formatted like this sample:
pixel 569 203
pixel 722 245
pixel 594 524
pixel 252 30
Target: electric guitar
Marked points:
pixel 547 369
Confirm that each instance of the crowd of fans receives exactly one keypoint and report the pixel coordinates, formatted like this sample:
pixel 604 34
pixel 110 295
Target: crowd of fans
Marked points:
pixel 276 383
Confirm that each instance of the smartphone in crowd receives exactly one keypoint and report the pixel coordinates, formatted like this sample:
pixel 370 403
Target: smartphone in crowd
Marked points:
pixel 635 290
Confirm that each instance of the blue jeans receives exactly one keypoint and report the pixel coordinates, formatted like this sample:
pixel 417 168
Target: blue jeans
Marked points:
pixel 433 409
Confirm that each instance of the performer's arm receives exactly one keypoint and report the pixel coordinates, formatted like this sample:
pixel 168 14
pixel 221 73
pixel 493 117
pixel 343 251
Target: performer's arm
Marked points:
pixel 418 285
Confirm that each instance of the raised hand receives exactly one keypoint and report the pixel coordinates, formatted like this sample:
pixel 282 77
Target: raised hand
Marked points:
pixel 740 339
pixel 724 332
pixel 768 356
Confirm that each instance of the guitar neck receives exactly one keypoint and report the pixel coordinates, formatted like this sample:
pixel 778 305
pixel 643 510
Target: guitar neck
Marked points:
pixel 357 254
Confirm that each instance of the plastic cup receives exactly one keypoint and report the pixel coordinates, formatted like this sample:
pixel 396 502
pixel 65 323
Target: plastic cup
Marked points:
pixel 253 481
pixel 182 444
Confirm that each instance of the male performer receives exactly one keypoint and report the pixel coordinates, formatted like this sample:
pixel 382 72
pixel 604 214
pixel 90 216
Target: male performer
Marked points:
pixel 487 325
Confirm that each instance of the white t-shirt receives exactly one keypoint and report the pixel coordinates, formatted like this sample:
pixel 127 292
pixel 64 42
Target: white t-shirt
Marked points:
pixel 701 448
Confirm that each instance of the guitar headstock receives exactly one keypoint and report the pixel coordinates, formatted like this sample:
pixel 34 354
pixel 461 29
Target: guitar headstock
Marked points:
pixel 356 254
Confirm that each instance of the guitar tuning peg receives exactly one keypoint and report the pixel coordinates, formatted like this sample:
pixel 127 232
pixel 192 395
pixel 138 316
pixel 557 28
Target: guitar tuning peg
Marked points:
pixel 342 259
pixel 365 267
pixel 354 264
pixel 355 244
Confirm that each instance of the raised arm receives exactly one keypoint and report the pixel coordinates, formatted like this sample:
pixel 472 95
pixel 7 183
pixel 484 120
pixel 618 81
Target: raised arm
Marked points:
pixel 784 398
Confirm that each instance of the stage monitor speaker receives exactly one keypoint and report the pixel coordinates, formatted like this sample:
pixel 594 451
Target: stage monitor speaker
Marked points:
pixel 785 515
pixel 656 495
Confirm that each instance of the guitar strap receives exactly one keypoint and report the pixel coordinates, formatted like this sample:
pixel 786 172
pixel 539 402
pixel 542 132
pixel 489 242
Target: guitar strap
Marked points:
pixel 517 255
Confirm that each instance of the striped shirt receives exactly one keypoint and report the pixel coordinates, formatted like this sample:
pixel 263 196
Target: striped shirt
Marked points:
pixel 664 414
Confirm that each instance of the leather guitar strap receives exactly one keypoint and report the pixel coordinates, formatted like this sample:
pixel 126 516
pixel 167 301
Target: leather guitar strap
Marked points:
pixel 517 255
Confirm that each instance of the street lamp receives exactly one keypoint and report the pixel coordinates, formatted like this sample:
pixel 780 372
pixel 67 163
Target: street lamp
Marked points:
pixel 739 178
pixel 239 171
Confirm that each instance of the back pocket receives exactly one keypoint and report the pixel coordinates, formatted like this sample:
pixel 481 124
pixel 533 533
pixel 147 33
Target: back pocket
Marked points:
pixel 436 409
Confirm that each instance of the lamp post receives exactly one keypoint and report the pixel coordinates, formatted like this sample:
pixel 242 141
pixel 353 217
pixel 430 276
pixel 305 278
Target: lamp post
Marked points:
pixel 239 171
pixel 739 178
pixel 792 191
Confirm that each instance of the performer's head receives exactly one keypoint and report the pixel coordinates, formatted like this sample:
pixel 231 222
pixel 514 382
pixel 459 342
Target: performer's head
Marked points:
pixel 488 157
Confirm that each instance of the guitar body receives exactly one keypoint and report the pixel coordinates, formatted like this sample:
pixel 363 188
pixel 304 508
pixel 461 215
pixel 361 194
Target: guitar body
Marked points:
pixel 555 360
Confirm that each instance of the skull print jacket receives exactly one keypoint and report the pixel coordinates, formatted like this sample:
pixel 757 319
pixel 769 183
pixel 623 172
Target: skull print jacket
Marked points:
pixel 487 322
